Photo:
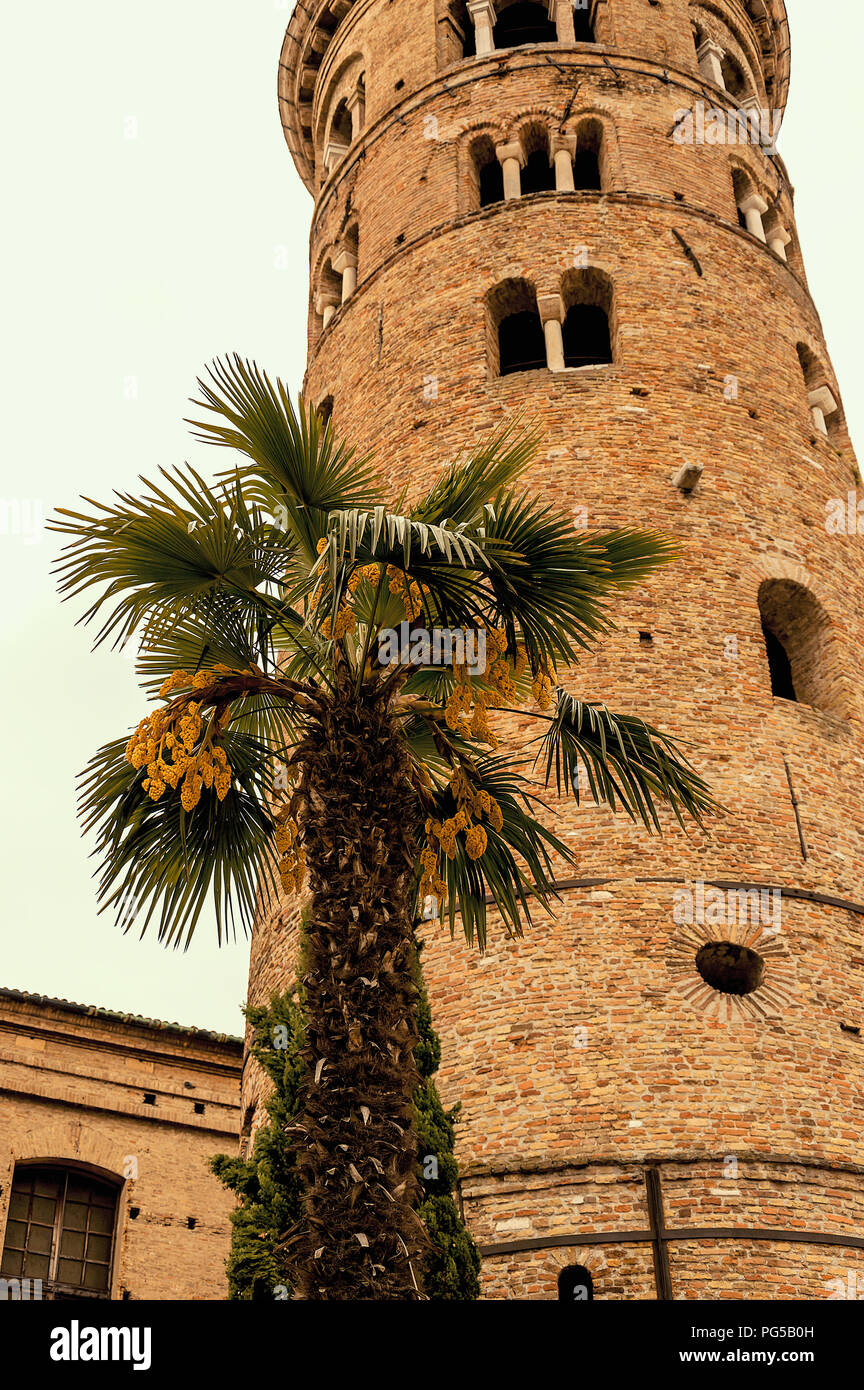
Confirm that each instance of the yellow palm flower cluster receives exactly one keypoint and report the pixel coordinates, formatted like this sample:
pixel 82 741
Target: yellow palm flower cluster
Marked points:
pixel 431 882
pixel 473 803
pixel 346 621
pixel 292 857
pixel 364 574
pixel 165 743
pixel 541 686
pixel 198 680
pixel 467 708
pixel 408 590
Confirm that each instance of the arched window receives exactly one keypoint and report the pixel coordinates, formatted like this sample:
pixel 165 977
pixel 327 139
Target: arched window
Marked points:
pixel 582 21
pixel 60 1229
pixel 524 23
pixel 538 173
pixel 802 655
pixel 517 342
pixel 586 161
pixel 488 174
pixel 575 1285
pixel 325 410
pixel 588 306
pixel 724 57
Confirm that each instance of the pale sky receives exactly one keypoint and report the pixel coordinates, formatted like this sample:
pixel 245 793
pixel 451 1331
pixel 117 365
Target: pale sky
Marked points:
pixel 150 202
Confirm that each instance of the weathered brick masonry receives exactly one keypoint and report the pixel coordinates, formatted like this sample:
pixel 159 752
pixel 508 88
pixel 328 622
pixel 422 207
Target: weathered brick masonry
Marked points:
pixel 593 1053
pixel 139 1105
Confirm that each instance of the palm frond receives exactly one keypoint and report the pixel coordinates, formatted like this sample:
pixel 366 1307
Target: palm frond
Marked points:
pixel 460 494
pixel 627 763
pixel 299 467
pixel 556 583
pixel 516 869
pixel 161 863
pixel 166 552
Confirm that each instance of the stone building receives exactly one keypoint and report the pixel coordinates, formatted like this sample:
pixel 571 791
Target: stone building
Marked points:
pixel 576 212
pixel 107 1122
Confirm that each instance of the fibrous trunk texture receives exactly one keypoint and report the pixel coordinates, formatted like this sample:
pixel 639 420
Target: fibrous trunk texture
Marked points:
pixel 361 1237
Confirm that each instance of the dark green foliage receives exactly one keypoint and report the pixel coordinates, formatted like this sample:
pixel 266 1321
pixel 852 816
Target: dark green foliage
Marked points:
pixel 266 1183
pixel 269 1192
pixel 453 1263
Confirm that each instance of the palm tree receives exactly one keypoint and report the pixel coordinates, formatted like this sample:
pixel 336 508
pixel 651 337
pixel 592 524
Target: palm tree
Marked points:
pixel 296 742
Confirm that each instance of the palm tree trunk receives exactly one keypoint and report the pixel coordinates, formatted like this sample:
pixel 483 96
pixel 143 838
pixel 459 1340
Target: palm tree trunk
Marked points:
pixel 357 1148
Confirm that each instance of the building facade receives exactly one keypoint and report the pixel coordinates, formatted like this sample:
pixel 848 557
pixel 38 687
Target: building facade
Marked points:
pixel 577 213
pixel 107 1123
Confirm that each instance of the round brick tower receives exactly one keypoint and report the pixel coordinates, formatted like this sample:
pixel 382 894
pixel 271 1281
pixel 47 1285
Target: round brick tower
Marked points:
pixel 578 214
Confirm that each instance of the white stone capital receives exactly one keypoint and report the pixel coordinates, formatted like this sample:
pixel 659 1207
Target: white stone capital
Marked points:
pixel 753 208
pixel 778 240
pixel 512 159
pixel 356 104
pixel 754 203
pixel 823 399
pixel 344 260
pixel 710 56
pixel 560 142
pixel 512 151
pixel 327 299
pixel 550 306
pixel 334 152
pixel 709 46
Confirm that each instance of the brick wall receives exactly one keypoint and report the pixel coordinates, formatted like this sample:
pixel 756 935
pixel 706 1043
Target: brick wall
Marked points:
pixel 72 1088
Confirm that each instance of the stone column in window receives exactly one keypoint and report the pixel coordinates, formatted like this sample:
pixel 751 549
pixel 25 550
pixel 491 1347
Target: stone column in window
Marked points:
pixel 563 149
pixel 551 307
pixel 326 305
pixel 356 104
pixel 345 264
pixel 778 240
pixel 561 14
pixel 483 17
pixel 822 404
pixel 710 56
pixel 753 209
pixel 512 159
